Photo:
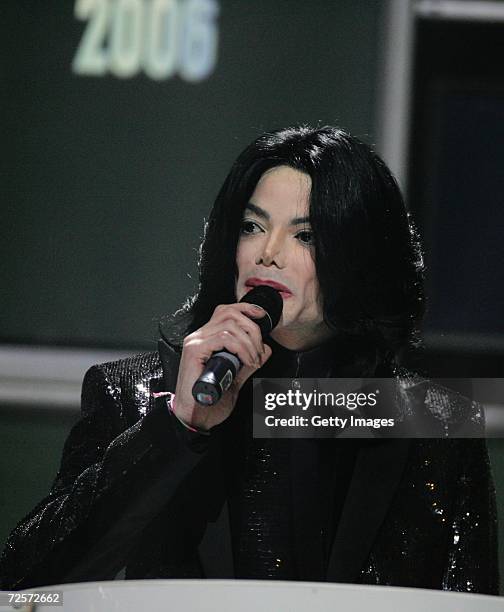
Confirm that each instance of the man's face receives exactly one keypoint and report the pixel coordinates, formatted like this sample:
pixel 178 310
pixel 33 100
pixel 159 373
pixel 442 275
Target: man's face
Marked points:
pixel 276 247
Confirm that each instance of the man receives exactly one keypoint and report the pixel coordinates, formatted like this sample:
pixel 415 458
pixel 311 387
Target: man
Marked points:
pixel 173 489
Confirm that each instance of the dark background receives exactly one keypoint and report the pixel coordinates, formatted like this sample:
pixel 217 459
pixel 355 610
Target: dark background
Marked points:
pixel 107 181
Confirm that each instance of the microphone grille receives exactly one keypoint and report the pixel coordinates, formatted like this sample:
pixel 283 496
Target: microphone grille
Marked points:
pixel 269 299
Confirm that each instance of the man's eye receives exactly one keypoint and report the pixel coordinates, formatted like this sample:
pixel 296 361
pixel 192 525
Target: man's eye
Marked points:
pixel 306 237
pixel 249 227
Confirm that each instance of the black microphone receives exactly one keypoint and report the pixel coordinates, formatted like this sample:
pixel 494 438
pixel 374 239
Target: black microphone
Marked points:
pixel 222 367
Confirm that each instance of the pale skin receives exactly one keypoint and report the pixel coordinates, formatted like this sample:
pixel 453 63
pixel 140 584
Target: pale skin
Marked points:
pixel 275 244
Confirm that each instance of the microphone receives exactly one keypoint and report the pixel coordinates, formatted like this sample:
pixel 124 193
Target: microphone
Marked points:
pixel 222 367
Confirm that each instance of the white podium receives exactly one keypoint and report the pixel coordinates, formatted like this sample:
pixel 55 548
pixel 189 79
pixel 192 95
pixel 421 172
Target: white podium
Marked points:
pixel 256 596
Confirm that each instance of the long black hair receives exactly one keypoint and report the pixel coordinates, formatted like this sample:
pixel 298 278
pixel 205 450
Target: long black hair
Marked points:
pixel 367 253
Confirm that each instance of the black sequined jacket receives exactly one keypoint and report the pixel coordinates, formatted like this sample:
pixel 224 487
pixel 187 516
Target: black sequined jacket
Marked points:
pixel 137 492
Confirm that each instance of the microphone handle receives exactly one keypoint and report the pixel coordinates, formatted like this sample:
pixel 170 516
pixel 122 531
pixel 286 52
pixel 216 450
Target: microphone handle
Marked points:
pixel 223 366
pixel 217 377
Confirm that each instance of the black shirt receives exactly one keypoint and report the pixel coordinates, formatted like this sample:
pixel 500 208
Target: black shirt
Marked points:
pixel 260 485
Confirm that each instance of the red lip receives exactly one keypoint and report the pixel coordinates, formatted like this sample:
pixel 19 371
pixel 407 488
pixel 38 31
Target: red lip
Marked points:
pixel 254 282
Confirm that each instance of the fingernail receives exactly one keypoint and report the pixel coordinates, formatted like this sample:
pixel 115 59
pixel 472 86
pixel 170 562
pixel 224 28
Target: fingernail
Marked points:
pixel 257 308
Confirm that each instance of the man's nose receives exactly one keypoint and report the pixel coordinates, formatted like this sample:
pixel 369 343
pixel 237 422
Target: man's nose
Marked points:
pixel 272 252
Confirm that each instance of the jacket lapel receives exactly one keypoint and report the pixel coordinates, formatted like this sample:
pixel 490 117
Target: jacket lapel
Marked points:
pixel 170 361
pixel 378 470
pixel 215 549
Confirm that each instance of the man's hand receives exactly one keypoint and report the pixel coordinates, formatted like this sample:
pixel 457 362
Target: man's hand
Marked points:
pixel 230 328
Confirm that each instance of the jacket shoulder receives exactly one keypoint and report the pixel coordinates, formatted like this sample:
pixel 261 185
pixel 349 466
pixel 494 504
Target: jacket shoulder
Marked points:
pixel 129 370
pixel 443 410
pixel 128 382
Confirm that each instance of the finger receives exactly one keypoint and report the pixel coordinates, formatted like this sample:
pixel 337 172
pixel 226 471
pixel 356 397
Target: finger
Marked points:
pixel 242 328
pixel 231 338
pixel 223 311
pixel 268 351
pixel 250 328
pixel 242 376
pixel 242 314
pixel 247 371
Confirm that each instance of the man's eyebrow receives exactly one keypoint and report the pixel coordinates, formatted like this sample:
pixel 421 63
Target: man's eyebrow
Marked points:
pixel 257 210
pixel 260 212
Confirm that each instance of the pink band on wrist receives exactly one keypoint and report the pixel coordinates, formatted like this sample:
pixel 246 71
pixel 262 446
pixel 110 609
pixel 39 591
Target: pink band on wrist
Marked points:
pixel 170 402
